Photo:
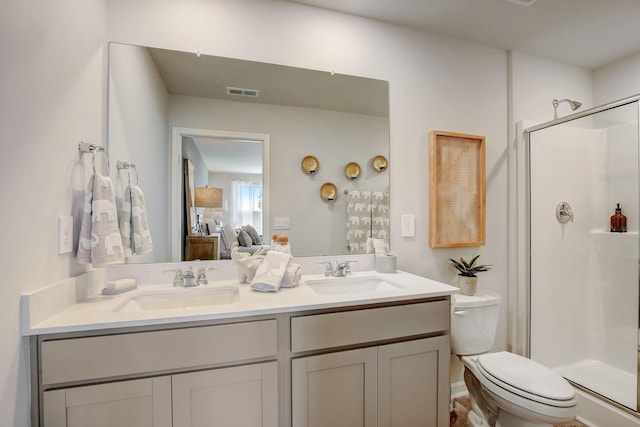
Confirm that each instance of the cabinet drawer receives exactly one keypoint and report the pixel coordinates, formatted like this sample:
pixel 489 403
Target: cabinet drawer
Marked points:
pixel 78 359
pixel 320 331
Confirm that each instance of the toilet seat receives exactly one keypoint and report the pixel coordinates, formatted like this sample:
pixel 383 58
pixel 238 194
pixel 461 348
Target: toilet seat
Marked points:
pixel 513 398
pixel 526 378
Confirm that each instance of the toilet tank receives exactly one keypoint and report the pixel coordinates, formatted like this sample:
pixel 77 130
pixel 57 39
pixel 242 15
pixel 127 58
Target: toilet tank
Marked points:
pixel 473 322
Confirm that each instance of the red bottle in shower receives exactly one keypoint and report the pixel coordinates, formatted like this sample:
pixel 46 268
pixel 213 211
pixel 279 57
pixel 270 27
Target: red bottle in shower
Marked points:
pixel 618 221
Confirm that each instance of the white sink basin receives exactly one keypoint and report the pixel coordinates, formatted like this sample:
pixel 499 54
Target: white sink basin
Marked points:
pixel 179 298
pixel 352 285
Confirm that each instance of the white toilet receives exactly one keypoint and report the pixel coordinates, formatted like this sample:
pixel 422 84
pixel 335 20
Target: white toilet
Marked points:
pixel 507 390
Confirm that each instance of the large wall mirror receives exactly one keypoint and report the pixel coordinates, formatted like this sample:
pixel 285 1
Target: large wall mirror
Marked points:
pixel 244 128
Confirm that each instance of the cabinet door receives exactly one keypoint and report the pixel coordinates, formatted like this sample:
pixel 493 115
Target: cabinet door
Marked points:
pixel 137 403
pixel 238 396
pixel 413 383
pixel 335 389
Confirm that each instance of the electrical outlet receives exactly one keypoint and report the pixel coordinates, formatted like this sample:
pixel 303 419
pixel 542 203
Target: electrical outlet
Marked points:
pixel 65 234
pixel 408 226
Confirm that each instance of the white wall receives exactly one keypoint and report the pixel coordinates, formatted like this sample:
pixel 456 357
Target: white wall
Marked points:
pixel 52 96
pixel 616 81
pixel 334 138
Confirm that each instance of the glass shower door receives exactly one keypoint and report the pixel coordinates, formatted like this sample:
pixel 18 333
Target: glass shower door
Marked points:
pixel 584 277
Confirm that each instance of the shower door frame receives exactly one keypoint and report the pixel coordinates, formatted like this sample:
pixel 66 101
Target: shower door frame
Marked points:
pixel 520 275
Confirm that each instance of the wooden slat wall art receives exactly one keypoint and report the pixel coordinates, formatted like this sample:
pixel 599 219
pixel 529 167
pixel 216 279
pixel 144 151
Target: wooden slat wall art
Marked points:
pixel 456 190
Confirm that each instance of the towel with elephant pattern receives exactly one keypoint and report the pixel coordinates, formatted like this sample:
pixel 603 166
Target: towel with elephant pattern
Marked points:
pixel 100 241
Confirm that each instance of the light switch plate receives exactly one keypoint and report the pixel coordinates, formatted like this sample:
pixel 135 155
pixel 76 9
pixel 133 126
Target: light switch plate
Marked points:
pixel 65 234
pixel 408 226
pixel 281 223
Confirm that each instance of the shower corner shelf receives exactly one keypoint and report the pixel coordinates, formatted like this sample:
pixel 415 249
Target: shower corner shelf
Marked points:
pixel 600 231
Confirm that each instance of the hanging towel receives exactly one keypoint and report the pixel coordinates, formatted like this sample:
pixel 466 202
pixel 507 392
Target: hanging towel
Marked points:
pixel 292 276
pixel 358 220
pixel 380 216
pixel 134 228
pixel 100 241
pixel 271 271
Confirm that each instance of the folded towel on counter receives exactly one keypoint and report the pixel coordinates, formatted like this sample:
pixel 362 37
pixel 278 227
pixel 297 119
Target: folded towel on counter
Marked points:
pixel 134 228
pixel 247 263
pixel 271 271
pixel 100 241
pixel 291 276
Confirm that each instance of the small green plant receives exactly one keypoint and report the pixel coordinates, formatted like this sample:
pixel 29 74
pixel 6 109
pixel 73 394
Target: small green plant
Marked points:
pixel 468 269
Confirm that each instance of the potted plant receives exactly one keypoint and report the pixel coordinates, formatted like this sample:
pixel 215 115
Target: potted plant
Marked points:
pixel 467 278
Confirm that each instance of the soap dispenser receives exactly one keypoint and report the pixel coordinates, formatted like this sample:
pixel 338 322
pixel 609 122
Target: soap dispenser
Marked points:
pixel 618 221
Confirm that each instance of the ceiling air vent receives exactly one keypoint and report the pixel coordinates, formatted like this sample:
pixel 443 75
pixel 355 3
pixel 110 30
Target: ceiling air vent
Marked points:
pixel 522 2
pixel 238 91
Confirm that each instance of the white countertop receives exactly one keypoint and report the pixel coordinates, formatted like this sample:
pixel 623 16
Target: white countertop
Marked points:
pixel 96 311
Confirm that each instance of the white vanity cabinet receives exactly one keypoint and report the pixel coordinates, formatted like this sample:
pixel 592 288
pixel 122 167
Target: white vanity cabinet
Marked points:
pixel 404 383
pixel 107 380
pixel 380 364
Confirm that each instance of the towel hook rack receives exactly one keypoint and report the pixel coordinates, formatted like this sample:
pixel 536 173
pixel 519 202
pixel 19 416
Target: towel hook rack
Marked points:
pixel 128 166
pixel 85 148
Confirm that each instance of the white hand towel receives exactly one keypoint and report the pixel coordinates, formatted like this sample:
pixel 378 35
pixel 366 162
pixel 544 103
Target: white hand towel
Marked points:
pixel 269 274
pixel 292 276
pixel 247 263
pixel 100 241
pixel 134 228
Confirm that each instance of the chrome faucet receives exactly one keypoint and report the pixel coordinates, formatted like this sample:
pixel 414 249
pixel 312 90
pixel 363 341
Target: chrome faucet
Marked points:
pixel 189 279
pixel 342 269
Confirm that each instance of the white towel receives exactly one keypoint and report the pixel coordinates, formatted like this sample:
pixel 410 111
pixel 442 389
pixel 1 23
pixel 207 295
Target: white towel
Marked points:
pixel 134 228
pixel 100 241
pixel 247 263
pixel 270 272
pixel 291 276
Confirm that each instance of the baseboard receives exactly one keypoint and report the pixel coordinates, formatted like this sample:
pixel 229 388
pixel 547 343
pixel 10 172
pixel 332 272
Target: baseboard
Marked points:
pixel 459 389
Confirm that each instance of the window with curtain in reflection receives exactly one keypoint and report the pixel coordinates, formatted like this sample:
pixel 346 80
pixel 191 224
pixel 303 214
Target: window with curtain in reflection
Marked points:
pixel 246 204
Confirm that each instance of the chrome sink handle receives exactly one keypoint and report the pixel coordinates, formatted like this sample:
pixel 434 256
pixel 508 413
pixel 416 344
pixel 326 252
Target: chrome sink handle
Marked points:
pixel 202 275
pixel 328 270
pixel 178 279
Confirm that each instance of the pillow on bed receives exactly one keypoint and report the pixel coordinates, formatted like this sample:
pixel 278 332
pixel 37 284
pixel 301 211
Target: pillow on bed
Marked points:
pixel 244 239
pixel 228 236
pixel 253 233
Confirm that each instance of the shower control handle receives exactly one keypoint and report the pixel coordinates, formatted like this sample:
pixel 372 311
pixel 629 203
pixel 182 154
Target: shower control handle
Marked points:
pixel 564 213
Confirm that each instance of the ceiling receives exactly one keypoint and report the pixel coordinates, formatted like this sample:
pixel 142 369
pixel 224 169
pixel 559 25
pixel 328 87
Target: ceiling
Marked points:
pixel 584 33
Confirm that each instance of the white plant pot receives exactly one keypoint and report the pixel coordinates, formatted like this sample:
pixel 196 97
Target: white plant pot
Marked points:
pixel 467 285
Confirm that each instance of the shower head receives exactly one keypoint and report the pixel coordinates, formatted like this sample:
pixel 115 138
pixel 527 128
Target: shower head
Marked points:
pixel 573 104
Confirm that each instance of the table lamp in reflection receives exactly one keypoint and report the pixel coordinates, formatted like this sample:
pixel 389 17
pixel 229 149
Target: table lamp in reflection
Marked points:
pixel 209 199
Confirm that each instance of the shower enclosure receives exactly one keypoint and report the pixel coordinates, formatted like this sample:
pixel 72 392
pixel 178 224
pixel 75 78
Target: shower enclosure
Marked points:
pixel 584 280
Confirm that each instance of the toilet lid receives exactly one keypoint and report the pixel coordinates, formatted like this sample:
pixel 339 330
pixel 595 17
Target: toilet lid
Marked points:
pixel 525 375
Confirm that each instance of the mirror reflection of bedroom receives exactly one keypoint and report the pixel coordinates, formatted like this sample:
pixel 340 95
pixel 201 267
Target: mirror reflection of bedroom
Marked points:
pixel 223 196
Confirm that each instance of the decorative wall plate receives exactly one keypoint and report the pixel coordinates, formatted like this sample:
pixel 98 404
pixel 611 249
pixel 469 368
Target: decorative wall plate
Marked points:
pixel 328 192
pixel 310 165
pixel 352 170
pixel 380 163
